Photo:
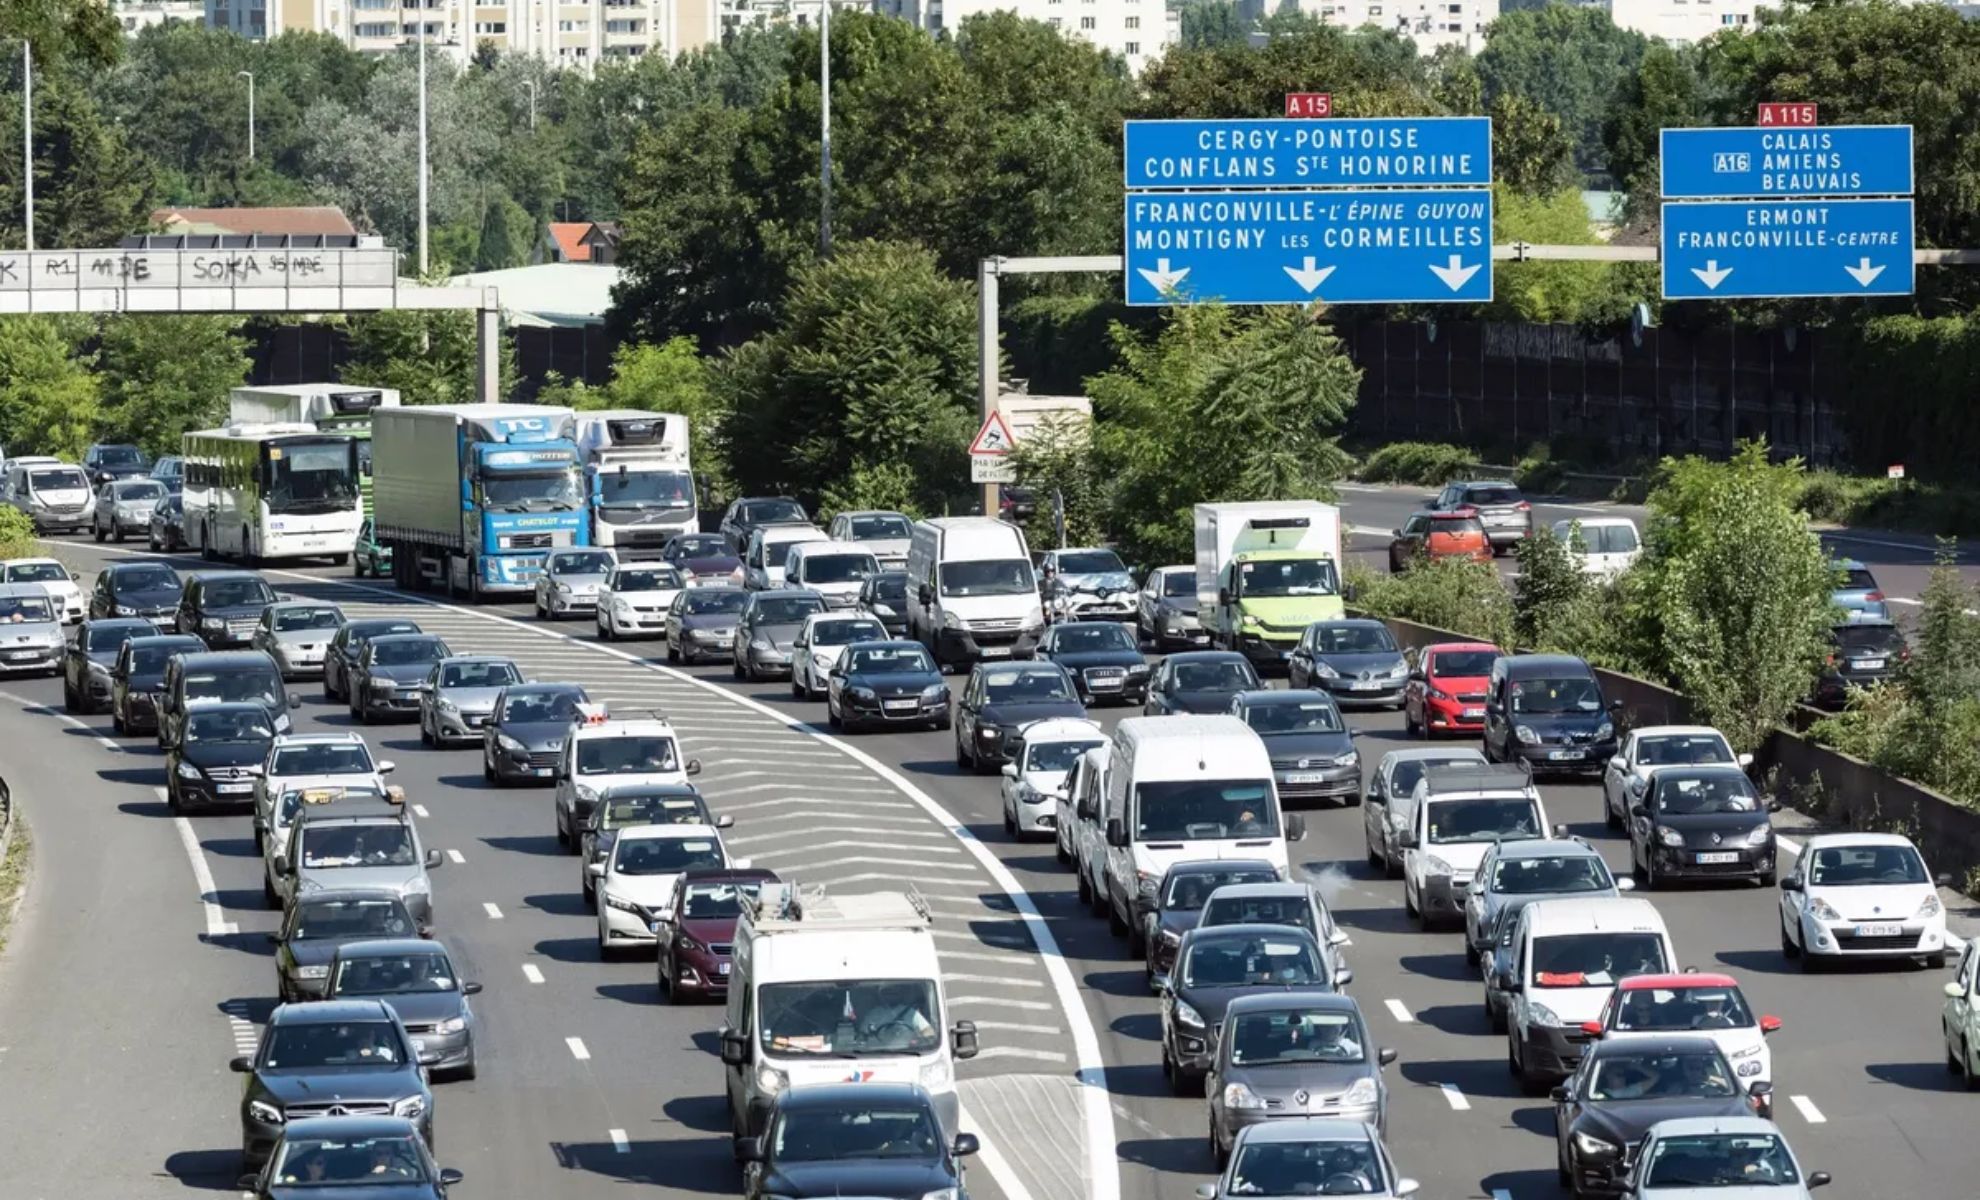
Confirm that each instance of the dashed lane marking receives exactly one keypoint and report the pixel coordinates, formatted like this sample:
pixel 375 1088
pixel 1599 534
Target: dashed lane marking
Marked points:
pixel 1398 1011
pixel 1020 1052
pixel 217 924
pixel 494 913
pixel 578 1050
pixel 753 805
pixel 620 1143
pixel 1006 980
pixel 1808 1111
pixel 1454 1097
pixel 39 709
pixel 1018 1027
pixel 455 856
pixel 419 810
pixel 531 973
pixel 1028 1005
pixel 811 830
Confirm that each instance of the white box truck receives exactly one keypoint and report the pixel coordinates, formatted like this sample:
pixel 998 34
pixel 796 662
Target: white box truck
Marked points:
pixel 638 480
pixel 1265 571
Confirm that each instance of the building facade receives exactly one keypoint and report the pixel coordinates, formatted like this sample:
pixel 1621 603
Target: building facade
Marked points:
pixel 577 34
pixel 1137 30
pixel 1682 21
pixel 1428 23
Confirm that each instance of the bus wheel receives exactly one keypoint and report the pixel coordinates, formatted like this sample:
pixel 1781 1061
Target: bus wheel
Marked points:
pixel 338 560
pixel 248 557
pixel 206 543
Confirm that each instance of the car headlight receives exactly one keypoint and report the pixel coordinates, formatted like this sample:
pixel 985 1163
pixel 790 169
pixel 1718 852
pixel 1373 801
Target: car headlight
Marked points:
pixel 1347 760
pixel 934 693
pixel 1760 835
pixel 952 621
pixel 1363 1091
pixel 622 904
pixel 1526 735
pixel 621 604
pixel 412 1108
pixel 1595 1147
pixel 1324 671
pixel 587 793
pixel 1186 1014
pixel 1024 793
pixel 1034 618
pixel 762 644
pixel 448 706
pixel 1170 937
pixel 1931 907
pixel 1541 1014
pixel 321 971
pixel 1137 671
pixel 863 693
pixel 451 1025
pixel 1399 671
pixel 822 661
pixel 948 1193
pixel 188 771
pixel 1248 621
pixel 264 1112
pixel 1236 1095
pixel 212 623
pixel 1822 910
pixel 125 610
pixel 1668 836
pixel 1432 865
pixel 937 1076
pixel 383 685
pixel 1605 731
pixel 510 744
pixel 771 1080
pixel 418 885
pixel 1146 883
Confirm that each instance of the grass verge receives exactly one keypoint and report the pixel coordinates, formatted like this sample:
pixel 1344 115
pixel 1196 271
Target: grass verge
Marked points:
pixel 13 874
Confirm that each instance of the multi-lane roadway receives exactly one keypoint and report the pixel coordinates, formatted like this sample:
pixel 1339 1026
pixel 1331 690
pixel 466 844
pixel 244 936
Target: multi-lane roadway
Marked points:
pixel 139 966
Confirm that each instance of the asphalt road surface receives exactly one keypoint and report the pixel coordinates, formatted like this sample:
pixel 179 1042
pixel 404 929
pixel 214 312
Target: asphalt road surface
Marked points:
pixel 139 967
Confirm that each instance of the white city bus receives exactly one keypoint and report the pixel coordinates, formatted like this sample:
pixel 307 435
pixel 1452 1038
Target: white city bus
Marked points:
pixel 271 491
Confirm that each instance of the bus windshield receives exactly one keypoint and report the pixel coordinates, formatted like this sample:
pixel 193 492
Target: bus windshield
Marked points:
pixel 311 477
pixel 644 489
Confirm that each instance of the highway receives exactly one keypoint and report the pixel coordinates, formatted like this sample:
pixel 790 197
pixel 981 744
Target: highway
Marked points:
pixel 139 966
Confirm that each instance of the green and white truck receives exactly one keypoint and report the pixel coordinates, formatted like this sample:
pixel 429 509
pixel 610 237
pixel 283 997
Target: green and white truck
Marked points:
pixel 1265 571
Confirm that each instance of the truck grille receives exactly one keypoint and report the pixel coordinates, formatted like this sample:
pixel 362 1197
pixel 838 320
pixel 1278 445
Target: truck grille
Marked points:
pixel 531 541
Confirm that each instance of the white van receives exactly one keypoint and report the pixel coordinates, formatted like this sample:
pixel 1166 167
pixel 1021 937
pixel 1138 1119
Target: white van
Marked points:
pixel 826 989
pixel 972 593
pixel 768 549
pixel 1610 545
pixel 1181 789
pixel 1081 833
pixel 1566 958
pixel 835 570
pixel 1448 822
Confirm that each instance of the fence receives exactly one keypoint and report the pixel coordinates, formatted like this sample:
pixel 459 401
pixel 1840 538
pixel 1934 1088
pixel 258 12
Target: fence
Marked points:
pixel 309 352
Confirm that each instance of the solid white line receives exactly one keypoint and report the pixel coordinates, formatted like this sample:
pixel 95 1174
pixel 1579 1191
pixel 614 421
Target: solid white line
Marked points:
pixel 1033 1005
pixel 833 864
pixel 1456 1098
pixel 419 810
pixel 531 973
pixel 787 801
pixel 1020 1052
pixel 454 856
pixel 217 924
pixel 1009 960
pixel 1398 1011
pixel 1808 1110
pixel 620 1143
pixel 810 829
pixel 1368 531
pixel 1016 1027
pixel 37 707
pixel 1004 980
pixel 577 1048
pixel 494 913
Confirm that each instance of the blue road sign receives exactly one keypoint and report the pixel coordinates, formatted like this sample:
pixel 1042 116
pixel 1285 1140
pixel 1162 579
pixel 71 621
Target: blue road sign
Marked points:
pixel 1833 160
pixel 1766 249
pixel 1331 152
pixel 1359 247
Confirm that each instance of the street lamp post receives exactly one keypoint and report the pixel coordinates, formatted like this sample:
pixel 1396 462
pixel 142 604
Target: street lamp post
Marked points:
pixel 422 142
pixel 824 128
pixel 249 76
pixel 531 85
pixel 27 137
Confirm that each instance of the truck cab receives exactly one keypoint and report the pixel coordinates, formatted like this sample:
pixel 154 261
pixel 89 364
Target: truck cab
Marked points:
pixel 1265 572
pixel 638 481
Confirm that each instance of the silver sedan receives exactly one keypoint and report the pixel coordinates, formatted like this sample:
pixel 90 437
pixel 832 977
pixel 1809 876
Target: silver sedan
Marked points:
pixel 457 696
pixel 296 634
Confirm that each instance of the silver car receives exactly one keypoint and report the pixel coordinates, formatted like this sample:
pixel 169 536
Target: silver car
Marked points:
pixel 1512 874
pixel 1294 1056
pixel 123 507
pixel 1711 1158
pixel 31 636
pixel 1326 1156
pixel 458 695
pixel 570 581
pixel 296 634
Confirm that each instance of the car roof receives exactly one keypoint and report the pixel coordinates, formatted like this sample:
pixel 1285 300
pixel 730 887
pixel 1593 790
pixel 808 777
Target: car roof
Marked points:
pixel 457 659
pixel 1411 753
pixel 857 1095
pixel 781 592
pixel 1848 564
pixel 304 604
pixel 1826 841
pixel 1248 891
pixel 1217 656
pixel 1440 647
pixel 1286 697
pixel 1444 514
pixel 542 689
pixel 1214 933
pixel 224 574
pixel 1691 1126
pixel 1472 483
pixel 176 639
pixel 1529 665
pixel 1593 914
pixel 667 833
pixel 347 895
pixel 366 623
pixel 1696 771
pixel 622 727
pixel 120 623
pixel 1349 623
pixel 390 946
pixel 1546 847
pixel 229 658
pixel 1675 1043
pixel 23 589
pixel 317 739
pixel 1062 729
pixel 1089 625
pixel 730 875
pixel 1314 1129
pixel 118 568
pixel 1217 866
pixel 228 706
pixel 340 1129
pixel 839 614
pixel 1650 731
pixel 394 639
pixel 326 1012
pixel 1275 999
pixel 657 791
pixel 1595 522
pixel 1691 979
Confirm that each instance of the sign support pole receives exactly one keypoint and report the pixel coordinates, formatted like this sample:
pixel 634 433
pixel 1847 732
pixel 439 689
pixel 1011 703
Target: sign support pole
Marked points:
pixel 988 355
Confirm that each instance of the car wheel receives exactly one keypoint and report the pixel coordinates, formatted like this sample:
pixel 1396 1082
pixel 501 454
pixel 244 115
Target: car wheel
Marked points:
pixel 557 819
pixel 70 701
pixel 1789 950
pixel 1374 857
pixel 1609 814
pixel 1409 906
pixel 1937 962
pixel 1137 940
pixel 1059 850
pixel 96 529
pixel 736 668
pixel 117 723
pixel 605 633
pixel 673 654
pixel 1968 1079
pixel 962 757
pixel 1495 1017
pixel 173 803
pixel 1115 925
pixel 268 894
pixel 1470 952
pixel 260 839
pixel 151 541
pixel 798 690
pixel 467 1072
pixel 1010 819
pixel 1085 885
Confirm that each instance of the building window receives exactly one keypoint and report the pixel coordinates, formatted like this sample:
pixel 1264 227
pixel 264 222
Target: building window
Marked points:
pixel 1057 22
pixel 1374 10
pixel 1132 48
pixel 1087 22
pixel 1132 22
pixel 1454 28
pixel 1454 8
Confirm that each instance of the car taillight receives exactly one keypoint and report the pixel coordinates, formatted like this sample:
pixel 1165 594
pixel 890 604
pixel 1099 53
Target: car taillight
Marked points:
pixel 1524 506
pixel 1875 596
pixel 1831 660
pixel 1466 511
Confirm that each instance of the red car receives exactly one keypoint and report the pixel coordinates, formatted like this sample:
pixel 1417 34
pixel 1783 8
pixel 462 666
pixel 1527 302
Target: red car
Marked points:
pixel 695 940
pixel 1446 690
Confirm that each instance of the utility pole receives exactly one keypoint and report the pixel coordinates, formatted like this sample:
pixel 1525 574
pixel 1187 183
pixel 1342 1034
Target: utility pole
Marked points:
pixel 824 128
pixel 531 85
pixel 27 136
pixel 249 76
pixel 422 142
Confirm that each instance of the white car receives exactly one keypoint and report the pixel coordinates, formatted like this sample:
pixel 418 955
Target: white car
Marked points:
pixel 570 581
pixel 1035 782
pixel 1717 1158
pixel 300 760
pixel 635 885
pixel 1609 545
pixel 604 752
pixel 1627 776
pixel 633 600
pixel 884 532
pixel 822 642
pixel 57 580
pixel 1649 1007
pixel 1862 895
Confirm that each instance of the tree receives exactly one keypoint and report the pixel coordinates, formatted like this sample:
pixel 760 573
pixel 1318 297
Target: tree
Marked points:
pixel 430 357
pixel 1458 594
pixel 1056 459
pixel 1566 58
pixel 1208 23
pixel 1361 70
pixel 90 187
pixel 1531 153
pixel 49 397
pixel 1583 293
pixel 1553 599
pixel 1662 93
pixel 63 31
pixel 669 376
pixel 163 375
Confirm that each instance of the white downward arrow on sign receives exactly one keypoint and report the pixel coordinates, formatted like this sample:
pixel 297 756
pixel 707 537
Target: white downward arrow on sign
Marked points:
pixel 1863 272
pixel 1710 274
pixel 1162 279
pixel 1309 276
pixel 1455 275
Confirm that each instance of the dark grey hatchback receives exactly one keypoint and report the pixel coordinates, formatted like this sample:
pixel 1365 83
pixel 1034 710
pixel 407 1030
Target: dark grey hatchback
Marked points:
pixel 344 1058
pixel 879 1140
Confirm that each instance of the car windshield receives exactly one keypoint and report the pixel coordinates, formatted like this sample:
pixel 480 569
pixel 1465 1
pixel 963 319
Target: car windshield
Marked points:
pixel 1179 585
pixel 1695 795
pixel 1682 748
pixel 1091 562
pixel 850 1018
pixel 1462 664
pixel 105 638
pixel 666 855
pixel 1482 819
pixel 1555 697
pixel 119 456
pixel 288 620
pixel 700 545
pixel 1857 641
pixel 990 577
pixel 837 568
pixel 326 758
pixel 145 578
pixel 530 708
pixel 1550 874
pixel 1083 639
pixel 769 512
pixel 143 489
pixel 815 1133
pixel 60 479
pixel 1307 1168
pixel 378 845
pixel 1296 1035
pixel 715 901
pixel 880 529
pixel 242 726
pixel 235 593
pixel 647 579
pixel 1205 810
pixel 1308 716
pixel 1683 1008
pixel 581 564
pixel 1291 577
pixel 412 651
pixel 1573 960
pixel 1189 891
pixel 349 1162
pixel 303 1046
pixel 1055 757
pixel 843 633
pixel 479 675
pixel 705 601
pixel 1865 866
pixel 1858 579
pixel 889 660
pixel 1027 685
pixel 653 810
pixel 1254 960
pixel 1352 639
pixel 1720 1160
pixel 639 754
pixel 395 975
pixel 245 685
pixel 787 610
pixel 1608 539
pixel 37 572
pixel 150 660
pixel 1228 675
pixel 1661 1076
pixel 1260 910
pixel 549 491
pixel 381 918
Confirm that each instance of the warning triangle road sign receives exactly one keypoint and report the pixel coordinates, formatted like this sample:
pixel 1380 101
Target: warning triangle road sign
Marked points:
pixel 994 440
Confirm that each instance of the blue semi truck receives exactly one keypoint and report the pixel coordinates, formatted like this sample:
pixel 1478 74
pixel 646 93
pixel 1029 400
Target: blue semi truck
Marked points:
pixel 470 497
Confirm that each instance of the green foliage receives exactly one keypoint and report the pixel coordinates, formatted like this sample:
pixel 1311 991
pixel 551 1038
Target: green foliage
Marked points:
pixel 1231 79
pixel 1054 340
pixel 17 537
pixel 75 32
pixel 671 376
pixel 1566 58
pixel 1574 293
pixel 1907 384
pixel 1662 93
pixel 165 375
pixel 1457 594
pixel 1207 23
pixel 1058 457
pixel 90 186
pixel 1429 463
pixel 1531 152
pixel 428 356
pixel 50 400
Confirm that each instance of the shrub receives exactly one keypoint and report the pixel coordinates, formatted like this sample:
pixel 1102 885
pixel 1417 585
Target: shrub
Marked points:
pixel 1445 593
pixel 17 538
pixel 1427 463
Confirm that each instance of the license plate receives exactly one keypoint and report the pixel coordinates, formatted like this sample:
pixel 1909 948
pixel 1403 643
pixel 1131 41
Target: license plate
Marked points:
pixel 1365 685
pixel 235 789
pixel 1718 856
pixel 1298 779
pixel 309 543
pixel 1868 664
pixel 901 705
pixel 725 645
pixel 995 651
pixel 22 655
pixel 722 969
pixel 1879 930
pixel 1474 714
pixel 1201 639
pixel 1563 755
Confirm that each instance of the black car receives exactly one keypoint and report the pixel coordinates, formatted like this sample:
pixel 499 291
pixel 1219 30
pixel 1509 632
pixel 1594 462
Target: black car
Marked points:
pixel 1312 749
pixel 137 589
pixel 217 755
pixel 525 733
pixel 86 661
pixel 1357 660
pixel 167 529
pixel 1623 1087
pixel 1102 659
pixel 1704 822
pixel 1215 967
pixel 1199 681
pixel 1863 654
pixel 352 1056
pixel 389 670
pixel 417 980
pixel 222 608
pixel 317 924
pixel 751 513
pixel 351 1158
pixel 879 1140
pixel 106 461
pixel 1179 904
pixel 886 683
pixel 342 656
pixel 884 598
pixel 999 700
pixel 1547 711
pixel 138 674
pixel 701 556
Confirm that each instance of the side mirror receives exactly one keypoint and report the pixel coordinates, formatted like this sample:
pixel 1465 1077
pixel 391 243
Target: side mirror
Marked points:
pixel 1385 1055
pixel 1206 1191
pixel 241 1066
pixel 1774 806
pixel 1616 763
pixel 248 1183
pixel 1592 1028
pixel 693 766
pixel 595 870
pixel 1010 771
pixel 470 989
pixel 449 1176
pixel 925 595
pixel 1791 884
pixel 1745 760
pixel 962 1038
pixel 295 700
pixel 1625 883
pixel 274 938
pixel 735 1049
pixel 387 767
pixel 74 578
pixel 1638 811
pixel 1117 833
pixel 725 821
pixel 1418 676
pixel 1769 1024
pixel 1561 829
pixel 1295 828
pixel 966 1145
pixel 1760 1088
pixel 750 1149
pixel 1819 1179
pixel 1559 1095
pixel 432 859
pixel 1343 977
pixel 1954 991
pixel 1407 1187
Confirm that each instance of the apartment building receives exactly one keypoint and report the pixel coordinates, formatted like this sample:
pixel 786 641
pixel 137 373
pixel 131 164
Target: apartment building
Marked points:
pixel 570 33
pixel 1137 30
pixel 1683 21
pixel 1428 23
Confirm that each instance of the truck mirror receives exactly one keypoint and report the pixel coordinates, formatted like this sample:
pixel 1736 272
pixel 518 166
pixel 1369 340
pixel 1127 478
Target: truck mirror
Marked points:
pixel 963 1039
pixel 1223 595
pixel 735 1049
pixel 1116 833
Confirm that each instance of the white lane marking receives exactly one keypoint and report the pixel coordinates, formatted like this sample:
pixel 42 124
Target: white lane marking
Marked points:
pixel 1808 1111
pixel 217 924
pixel 855 845
pixel 494 913
pixel 1010 960
pixel 1844 535
pixel 1005 980
pixel 784 787
pixel 620 1143
pixel 1455 1097
pixel 1369 531
pixel 454 856
pixel 577 1048
pixel 834 864
pixel 810 830
pixel 790 800
pixel 40 709
pixel 531 973
pixel 755 762
pixel 1017 1027
pixel 1031 1005
pixel 1020 1052
pixel 1398 1011
pixel 419 810
pixel 924 880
